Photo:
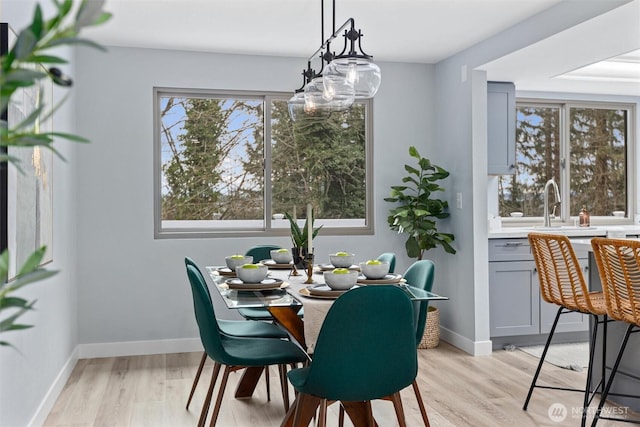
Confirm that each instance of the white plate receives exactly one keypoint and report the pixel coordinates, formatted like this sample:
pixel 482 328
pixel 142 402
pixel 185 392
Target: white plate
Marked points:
pixel 388 279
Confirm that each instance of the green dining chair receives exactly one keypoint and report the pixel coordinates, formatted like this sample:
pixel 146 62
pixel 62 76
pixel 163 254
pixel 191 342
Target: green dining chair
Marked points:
pixel 389 257
pixel 234 352
pixel 365 350
pixel 238 328
pixel 420 274
pixel 259 253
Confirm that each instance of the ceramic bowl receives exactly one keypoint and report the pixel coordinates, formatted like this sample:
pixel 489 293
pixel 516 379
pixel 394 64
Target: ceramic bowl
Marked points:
pixel 340 282
pixel 618 214
pixel 278 216
pixel 342 261
pixel 232 263
pixel 374 271
pixel 281 257
pixel 252 275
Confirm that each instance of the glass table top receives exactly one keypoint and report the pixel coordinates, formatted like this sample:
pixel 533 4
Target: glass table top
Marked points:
pixel 284 296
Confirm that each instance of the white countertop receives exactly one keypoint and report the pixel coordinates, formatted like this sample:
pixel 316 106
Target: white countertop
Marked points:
pixel 570 231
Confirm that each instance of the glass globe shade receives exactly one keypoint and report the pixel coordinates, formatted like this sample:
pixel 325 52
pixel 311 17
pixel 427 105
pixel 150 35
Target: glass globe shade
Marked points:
pixel 363 74
pixel 328 94
pixel 296 106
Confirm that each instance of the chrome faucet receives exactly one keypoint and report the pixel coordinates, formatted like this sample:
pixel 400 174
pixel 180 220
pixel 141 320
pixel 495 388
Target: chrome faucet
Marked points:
pixel 547 217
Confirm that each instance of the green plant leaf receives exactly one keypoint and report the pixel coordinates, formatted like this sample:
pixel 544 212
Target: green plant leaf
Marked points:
pixel 413 248
pixel 25 44
pixel 37 24
pixel 47 59
pixel 413 152
pixel 76 41
pixel 33 261
pixel 12 302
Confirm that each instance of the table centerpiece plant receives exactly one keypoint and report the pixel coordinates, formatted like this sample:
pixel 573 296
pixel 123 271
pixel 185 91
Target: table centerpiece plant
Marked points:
pixel 417 210
pixel 299 238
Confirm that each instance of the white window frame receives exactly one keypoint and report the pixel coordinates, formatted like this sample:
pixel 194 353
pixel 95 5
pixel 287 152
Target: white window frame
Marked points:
pixel 267 226
pixel 632 163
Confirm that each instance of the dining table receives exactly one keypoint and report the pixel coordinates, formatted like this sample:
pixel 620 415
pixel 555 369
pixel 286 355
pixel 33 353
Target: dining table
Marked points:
pixel 288 294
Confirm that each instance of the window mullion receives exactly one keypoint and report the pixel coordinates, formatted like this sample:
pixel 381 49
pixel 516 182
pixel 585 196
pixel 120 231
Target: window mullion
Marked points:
pixel 565 163
pixel 268 102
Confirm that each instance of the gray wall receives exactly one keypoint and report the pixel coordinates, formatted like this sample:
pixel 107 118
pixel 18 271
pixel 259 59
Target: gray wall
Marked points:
pixel 132 287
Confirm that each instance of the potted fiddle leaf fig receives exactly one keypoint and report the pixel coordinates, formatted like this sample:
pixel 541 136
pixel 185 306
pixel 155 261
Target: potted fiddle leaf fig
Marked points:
pixel 299 238
pixel 417 209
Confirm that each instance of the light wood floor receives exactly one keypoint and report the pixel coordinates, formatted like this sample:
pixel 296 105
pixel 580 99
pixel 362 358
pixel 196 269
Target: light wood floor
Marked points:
pixel 458 390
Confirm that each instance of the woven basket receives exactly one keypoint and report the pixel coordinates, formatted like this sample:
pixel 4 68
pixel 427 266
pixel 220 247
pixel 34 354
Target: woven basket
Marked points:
pixel 431 336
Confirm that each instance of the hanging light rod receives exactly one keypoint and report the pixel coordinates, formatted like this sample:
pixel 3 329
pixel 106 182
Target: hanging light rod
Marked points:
pixel 349 75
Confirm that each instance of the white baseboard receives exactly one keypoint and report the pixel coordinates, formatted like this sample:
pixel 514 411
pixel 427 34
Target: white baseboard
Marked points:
pixel 138 348
pixel 54 391
pixel 474 348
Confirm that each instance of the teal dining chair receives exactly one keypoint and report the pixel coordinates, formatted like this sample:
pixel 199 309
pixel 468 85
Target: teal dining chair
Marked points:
pixel 420 274
pixel 365 350
pixel 238 328
pixel 234 352
pixel 389 257
pixel 259 253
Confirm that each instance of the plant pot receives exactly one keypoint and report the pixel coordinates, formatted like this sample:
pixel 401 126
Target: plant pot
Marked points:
pixel 299 257
pixel 431 336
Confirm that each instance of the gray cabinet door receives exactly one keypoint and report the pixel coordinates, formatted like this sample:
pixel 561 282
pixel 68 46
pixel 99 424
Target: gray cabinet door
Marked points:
pixel 501 128
pixel 568 322
pixel 514 297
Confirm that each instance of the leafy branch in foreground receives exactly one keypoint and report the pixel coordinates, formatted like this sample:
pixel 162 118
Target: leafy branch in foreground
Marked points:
pixel 30 272
pixel 20 68
pixel 23 66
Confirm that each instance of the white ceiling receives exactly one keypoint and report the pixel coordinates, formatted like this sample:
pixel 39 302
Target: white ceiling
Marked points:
pixel 421 31
pixel 424 31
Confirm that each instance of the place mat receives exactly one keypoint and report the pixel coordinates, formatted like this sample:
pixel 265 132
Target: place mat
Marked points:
pixel 329 267
pixel 274 265
pixel 388 279
pixel 224 271
pixel 314 293
pixel 266 284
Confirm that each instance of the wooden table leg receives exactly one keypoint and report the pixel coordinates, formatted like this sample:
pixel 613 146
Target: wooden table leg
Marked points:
pixel 288 318
pixel 308 405
pixel 360 414
pixel 248 382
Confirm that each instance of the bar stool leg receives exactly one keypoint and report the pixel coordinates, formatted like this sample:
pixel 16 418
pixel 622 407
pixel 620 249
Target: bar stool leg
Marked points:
pixel 544 354
pixel 603 398
pixel 587 390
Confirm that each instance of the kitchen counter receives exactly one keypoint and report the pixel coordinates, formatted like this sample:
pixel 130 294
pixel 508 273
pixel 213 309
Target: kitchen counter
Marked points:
pixel 570 231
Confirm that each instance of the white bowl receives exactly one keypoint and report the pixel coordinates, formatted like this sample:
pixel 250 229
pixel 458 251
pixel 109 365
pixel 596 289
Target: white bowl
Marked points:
pixel 516 214
pixel 344 261
pixel 619 214
pixel 232 263
pixel 340 282
pixel 252 275
pixel 281 257
pixel 374 271
pixel 278 216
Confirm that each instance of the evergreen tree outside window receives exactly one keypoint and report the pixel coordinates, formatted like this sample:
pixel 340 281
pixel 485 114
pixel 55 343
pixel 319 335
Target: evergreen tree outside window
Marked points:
pixel 228 162
pixel 584 147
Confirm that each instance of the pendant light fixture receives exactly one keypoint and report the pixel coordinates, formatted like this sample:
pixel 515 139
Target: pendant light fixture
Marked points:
pixel 347 76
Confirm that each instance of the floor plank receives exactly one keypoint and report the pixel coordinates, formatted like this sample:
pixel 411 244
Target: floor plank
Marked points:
pixel 458 390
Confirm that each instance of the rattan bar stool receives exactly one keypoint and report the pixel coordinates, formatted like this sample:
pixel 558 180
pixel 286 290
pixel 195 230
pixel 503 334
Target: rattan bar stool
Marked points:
pixel 562 283
pixel 619 267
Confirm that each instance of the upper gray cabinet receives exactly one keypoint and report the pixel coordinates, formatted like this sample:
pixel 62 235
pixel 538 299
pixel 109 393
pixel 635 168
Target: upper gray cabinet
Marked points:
pixel 501 128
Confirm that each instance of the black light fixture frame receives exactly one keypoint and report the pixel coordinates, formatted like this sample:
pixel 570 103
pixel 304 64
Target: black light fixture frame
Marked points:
pixel 351 36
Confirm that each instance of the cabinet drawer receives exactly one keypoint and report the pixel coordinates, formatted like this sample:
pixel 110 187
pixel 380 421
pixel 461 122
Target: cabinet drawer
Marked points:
pixel 510 250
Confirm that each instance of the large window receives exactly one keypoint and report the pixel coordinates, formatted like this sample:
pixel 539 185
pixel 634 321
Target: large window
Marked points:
pixel 584 147
pixel 234 162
